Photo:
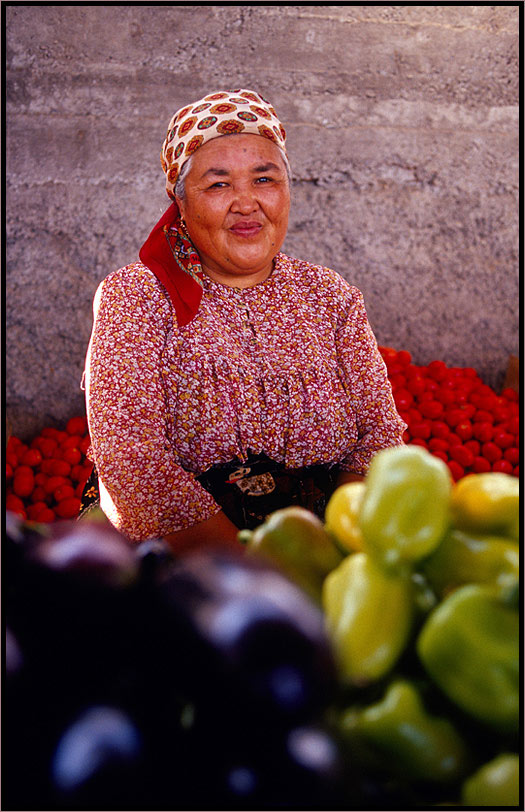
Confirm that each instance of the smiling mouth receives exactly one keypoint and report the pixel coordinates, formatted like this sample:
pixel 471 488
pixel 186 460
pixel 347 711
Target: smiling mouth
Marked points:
pixel 246 229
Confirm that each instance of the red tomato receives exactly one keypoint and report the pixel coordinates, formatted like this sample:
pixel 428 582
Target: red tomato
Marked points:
pixel 60 468
pixel 11 459
pixel 404 357
pixel 84 444
pixel 439 429
pixel 32 457
pixel 456 470
pixel 501 413
pixel 403 399
pixel 420 430
pixel 491 452
pixel 416 385
pixel 72 456
pixel 512 455
pixel 462 455
pixel 453 439
pixel 464 430
pixel 481 465
pixel 482 416
pixel 48 446
pixel 71 441
pixel 14 503
pixel 46 515
pixel 79 490
pixel 13 442
pixel 41 479
pixel 513 425
pixel 63 492
pixel 388 353
pixel 68 508
pixel 393 368
pixel 516 471
pixel 8 472
pixel 431 409
pixel 483 431
pixel 54 482
pixel 397 381
pixel 77 471
pixel 441 455
pixel 23 483
pixel 35 509
pixel 474 446
pixel 503 439
pixel 46 466
pixel 437 444
pixel 77 425
pixel 49 431
pixel 414 415
pixel 510 394
pixel 503 466
pixel 39 494
pixel 431 385
pixel 454 416
pixel 446 397
pixel 419 441
pixel 437 370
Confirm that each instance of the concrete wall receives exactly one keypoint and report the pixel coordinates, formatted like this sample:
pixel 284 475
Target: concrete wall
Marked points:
pixel 402 129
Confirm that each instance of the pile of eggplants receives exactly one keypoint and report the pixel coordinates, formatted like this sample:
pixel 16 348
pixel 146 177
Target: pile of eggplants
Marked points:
pixel 138 680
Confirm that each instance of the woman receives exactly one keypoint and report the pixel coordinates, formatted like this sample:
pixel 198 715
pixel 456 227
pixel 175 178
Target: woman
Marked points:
pixel 225 379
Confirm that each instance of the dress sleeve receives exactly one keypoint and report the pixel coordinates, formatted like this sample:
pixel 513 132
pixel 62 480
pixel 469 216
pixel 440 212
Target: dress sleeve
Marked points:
pixel 366 381
pixel 144 491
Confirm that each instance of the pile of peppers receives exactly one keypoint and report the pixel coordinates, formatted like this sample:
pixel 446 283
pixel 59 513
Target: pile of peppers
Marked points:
pixel 418 580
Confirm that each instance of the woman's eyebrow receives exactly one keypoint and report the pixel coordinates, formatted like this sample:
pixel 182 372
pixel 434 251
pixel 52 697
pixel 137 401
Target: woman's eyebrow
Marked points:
pixel 267 167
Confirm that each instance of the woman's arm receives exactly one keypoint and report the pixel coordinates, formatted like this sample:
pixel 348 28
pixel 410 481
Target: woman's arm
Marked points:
pixel 217 532
pixel 366 380
pixel 144 491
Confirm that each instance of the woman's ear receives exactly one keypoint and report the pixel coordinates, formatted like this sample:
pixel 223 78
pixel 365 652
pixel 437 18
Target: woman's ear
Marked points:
pixel 180 204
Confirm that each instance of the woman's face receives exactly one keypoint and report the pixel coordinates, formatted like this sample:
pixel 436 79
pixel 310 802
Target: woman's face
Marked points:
pixel 236 207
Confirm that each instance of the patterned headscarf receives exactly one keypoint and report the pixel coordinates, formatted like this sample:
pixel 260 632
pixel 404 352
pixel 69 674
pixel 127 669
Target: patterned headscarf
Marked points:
pixel 168 251
pixel 220 113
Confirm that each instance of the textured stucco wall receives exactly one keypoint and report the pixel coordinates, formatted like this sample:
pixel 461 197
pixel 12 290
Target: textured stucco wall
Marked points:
pixel 402 128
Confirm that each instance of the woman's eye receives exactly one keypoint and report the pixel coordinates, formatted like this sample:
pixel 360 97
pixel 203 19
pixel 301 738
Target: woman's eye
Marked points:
pixel 264 180
pixel 218 185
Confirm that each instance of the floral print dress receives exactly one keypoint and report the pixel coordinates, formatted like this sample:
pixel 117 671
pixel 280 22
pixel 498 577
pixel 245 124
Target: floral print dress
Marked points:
pixel 288 368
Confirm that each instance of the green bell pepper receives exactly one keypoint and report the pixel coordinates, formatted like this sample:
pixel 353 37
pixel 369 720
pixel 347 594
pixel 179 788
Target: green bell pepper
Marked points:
pixel 405 509
pixel 496 783
pixel 469 645
pixel 294 539
pixel 369 615
pixel 487 503
pixel 413 744
pixel 463 558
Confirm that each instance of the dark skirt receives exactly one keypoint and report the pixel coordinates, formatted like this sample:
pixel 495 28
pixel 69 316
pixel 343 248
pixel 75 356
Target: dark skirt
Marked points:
pixel 247 492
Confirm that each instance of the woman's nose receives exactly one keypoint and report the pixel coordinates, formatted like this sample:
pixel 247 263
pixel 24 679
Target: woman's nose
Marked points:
pixel 244 202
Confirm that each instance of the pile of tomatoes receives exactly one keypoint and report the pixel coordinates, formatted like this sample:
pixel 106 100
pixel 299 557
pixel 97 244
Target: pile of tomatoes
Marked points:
pixel 448 410
pixel 452 413
pixel 45 479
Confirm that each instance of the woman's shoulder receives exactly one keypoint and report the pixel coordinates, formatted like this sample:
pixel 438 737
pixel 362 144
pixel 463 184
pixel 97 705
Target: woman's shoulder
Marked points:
pixel 319 277
pixel 136 281
pixel 133 287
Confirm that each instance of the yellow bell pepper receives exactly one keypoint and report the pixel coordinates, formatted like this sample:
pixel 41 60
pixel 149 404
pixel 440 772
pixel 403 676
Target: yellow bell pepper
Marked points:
pixel 487 503
pixel 342 516
pixel 405 509
pixel 369 615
